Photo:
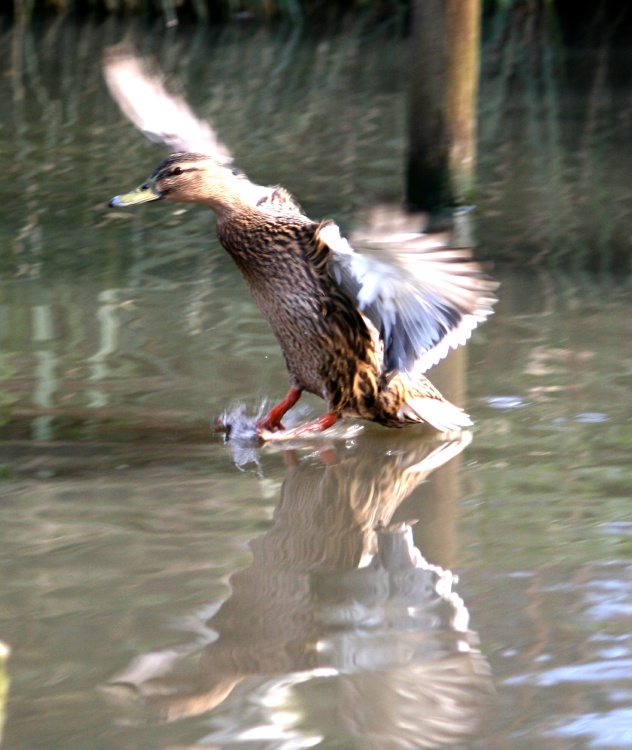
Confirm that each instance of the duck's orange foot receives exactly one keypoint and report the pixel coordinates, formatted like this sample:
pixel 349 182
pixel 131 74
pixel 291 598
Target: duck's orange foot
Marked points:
pixel 272 420
pixel 326 421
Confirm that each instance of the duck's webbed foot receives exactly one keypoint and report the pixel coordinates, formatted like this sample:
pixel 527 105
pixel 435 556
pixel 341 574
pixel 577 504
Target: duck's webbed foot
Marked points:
pixel 272 421
pixel 326 421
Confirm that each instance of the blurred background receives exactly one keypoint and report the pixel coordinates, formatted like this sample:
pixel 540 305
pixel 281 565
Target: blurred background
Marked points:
pixel 161 588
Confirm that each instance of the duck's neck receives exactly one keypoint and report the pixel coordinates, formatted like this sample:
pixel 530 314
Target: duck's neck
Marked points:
pixel 237 201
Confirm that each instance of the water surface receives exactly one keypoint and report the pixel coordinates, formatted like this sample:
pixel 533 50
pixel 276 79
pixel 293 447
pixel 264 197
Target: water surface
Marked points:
pixel 161 588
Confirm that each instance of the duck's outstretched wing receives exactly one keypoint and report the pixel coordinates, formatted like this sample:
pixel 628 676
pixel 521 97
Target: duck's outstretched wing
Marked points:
pixel 423 298
pixel 162 117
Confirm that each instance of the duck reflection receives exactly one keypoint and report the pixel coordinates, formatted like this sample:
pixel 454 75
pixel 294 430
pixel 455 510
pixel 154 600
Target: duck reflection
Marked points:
pixel 337 590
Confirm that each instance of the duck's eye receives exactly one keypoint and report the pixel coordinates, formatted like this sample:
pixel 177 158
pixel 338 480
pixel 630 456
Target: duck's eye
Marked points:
pixel 176 171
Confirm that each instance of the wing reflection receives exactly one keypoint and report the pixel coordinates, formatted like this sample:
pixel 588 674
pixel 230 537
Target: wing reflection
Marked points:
pixel 335 591
pixel 399 634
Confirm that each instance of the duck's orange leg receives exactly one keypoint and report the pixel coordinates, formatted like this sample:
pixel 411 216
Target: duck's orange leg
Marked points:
pixel 326 421
pixel 272 420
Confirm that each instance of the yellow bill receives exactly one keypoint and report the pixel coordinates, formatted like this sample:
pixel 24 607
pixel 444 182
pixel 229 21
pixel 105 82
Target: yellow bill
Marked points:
pixel 143 194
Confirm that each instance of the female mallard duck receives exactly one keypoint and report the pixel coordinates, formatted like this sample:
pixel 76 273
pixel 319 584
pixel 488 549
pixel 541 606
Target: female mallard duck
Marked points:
pixel 357 331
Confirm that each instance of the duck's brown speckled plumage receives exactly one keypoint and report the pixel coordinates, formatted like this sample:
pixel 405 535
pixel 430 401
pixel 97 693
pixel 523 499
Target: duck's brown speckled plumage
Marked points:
pixel 325 341
pixel 330 348
pixel 309 285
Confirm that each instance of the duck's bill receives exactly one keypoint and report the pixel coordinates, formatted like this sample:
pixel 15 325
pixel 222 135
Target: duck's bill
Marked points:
pixel 143 194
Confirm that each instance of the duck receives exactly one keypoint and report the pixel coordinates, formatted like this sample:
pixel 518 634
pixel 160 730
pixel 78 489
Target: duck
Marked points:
pixel 358 329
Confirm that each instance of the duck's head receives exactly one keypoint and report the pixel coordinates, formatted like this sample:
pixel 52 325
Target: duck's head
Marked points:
pixel 194 178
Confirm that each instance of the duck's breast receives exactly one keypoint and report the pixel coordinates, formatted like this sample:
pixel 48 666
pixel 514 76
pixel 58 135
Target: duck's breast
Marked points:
pixel 323 336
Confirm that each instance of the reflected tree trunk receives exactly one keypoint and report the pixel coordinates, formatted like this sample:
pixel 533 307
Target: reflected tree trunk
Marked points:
pixel 442 118
pixel 435 503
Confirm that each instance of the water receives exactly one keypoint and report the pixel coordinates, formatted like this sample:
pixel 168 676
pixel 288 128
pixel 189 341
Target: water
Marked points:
pixel 161 588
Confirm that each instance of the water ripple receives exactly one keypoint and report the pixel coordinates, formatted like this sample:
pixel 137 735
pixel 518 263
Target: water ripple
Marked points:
pixel 591 672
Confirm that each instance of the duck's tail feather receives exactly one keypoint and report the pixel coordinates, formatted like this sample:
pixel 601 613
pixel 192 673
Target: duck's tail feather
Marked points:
pixel 404 401
pixel 441 414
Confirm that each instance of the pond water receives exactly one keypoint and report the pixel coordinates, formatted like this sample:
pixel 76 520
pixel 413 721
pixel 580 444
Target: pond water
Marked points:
pixel 161 588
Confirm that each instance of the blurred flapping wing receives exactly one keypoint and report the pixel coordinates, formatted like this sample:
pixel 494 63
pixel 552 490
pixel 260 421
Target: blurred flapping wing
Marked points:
pixel 162 117
pixel 424 298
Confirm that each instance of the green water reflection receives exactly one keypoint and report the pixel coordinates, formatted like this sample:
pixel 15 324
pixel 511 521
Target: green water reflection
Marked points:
pixel 155 595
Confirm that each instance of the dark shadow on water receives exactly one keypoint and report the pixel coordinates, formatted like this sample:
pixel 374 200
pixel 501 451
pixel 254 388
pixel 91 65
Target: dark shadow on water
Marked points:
pixel 337 597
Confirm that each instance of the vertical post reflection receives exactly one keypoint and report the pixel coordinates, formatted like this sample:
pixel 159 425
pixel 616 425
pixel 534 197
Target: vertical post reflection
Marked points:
pixel 109 328
pixel 45 370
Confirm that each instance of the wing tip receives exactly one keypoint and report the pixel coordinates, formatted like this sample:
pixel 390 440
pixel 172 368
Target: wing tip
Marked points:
pixel 137 85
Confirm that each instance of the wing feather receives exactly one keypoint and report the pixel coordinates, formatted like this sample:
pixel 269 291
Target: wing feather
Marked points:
pixel 423 298
pixel 162 117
